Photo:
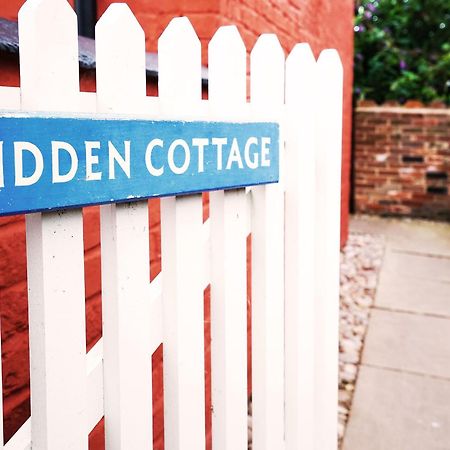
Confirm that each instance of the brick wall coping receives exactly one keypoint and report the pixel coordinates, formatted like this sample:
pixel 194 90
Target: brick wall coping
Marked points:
pixel 402 110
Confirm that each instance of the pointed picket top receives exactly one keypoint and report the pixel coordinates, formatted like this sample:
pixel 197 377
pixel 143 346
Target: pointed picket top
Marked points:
pixel 329 58
pixel 179 63
pixel 120 54
pixel 48 37
pixel 300 74
pixel 329 96
pixel 330 73
pixel 267 63
pixel 227 66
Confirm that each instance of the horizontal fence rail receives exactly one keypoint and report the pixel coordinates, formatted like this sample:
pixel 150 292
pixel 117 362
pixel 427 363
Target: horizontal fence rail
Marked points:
pixel 294 228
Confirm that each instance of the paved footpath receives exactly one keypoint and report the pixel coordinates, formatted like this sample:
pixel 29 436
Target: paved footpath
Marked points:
pixel 402 395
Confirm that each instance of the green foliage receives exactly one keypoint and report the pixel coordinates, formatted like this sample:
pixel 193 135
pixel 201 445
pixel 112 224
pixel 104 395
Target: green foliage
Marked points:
pixel 402 50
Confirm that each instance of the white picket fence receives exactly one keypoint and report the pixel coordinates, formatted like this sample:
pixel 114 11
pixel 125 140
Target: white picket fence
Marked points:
pixel 295 251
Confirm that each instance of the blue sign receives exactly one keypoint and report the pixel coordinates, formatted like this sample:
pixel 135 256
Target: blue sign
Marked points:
pixel 50 163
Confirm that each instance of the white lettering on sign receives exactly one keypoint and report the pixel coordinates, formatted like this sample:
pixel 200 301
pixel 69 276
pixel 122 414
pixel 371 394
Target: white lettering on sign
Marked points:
pixel 92 160
pixel 49 163
pixel 20 179
pixel 251 164
pixel 265 150
pixel 171 156
pixel 201 143
pixel 56 175
pixel 175 154
pixel 234 156
pixel 156 172
pixel 123 162
pixel 219 142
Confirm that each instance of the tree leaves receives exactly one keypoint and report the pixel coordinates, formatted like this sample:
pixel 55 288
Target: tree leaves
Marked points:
pixel 402 50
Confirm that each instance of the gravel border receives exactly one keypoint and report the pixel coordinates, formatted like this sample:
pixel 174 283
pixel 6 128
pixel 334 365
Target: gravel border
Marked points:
pixel 361 261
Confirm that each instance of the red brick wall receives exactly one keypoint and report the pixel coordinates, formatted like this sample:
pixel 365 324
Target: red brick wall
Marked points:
pixel 9 8
pixel 313 21
pixel 402 161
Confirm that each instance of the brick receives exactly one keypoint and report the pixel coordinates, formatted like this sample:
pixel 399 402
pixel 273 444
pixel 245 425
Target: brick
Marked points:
pixel 14 309
pixel 91 227
pixel 12 254
pixel 15 363
pixel 409 145
pixel 93 320
pixel 10 219
pixel 92 272
pixel 16 410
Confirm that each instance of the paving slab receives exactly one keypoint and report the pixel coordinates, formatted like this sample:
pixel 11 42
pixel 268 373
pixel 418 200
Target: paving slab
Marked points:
pixel 413 294
pixel 408 342
pixel 398 411
pixel 415 265
pixel 407 234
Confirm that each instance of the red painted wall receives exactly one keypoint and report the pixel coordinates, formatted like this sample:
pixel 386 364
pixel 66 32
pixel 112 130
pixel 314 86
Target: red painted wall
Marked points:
pixel 322 23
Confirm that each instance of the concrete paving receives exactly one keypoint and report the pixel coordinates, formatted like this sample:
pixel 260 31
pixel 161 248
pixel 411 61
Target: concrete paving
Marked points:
pixel 402 396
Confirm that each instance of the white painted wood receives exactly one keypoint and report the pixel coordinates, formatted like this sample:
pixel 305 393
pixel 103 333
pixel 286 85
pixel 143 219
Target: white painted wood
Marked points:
pixel 9 98
pixel 267 94
pixel 328 216
pixel 21 439
pixel 179 55
pixel 94 373
pixel 299 248
pixel 121 88
pixel 94 359
pixel 49 82
pixel 228 218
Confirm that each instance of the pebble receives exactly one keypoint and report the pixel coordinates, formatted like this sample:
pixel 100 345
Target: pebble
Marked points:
pixel 360 263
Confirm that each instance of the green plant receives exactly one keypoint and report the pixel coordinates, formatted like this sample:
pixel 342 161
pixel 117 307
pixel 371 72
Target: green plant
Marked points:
pixel 402 50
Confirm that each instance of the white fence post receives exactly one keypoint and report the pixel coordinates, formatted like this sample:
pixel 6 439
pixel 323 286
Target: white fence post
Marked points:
pixel 49 82
pixel 267 96
pixel 179 55
pixel 228 218
pixel 328 217
pixel 121 88
pixel 299 247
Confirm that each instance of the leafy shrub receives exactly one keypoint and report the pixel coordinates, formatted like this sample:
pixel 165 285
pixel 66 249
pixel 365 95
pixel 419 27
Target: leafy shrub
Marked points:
pixel 402 50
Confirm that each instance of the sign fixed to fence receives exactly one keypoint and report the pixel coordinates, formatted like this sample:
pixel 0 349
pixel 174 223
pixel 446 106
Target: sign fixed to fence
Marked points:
pixel 51 163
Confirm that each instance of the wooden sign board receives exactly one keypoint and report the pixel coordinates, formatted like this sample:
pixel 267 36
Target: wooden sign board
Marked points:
pixel 52 163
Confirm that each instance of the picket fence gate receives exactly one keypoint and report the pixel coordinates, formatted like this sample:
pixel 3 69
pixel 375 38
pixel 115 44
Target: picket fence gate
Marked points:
pixel 295 250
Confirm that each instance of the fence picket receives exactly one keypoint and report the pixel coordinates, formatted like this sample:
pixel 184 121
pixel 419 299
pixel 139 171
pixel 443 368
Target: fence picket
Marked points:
pixel 228 216
pixel 295 228
pixel 179 55
pixel 328 216
pixel 121 88
pixel 267 95
pixel 49 82
pixel 299 247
